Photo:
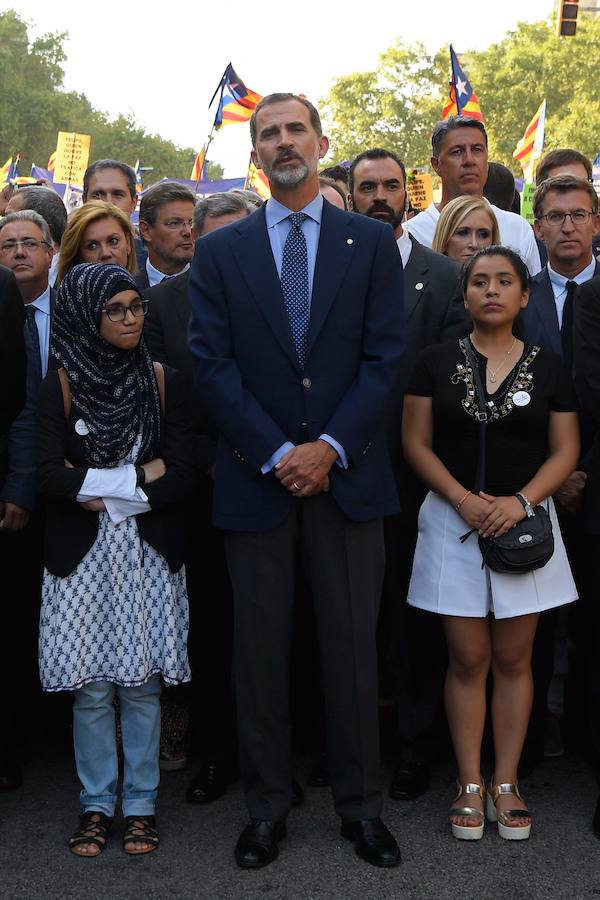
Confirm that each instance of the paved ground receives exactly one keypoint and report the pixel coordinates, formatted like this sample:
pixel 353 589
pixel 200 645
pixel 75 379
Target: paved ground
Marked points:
pixel 195 860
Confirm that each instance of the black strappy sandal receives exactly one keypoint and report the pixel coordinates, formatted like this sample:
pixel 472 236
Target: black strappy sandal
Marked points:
pixel 93 829
pixel 140 829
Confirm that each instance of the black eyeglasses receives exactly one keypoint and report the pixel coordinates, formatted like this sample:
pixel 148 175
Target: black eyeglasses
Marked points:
pixel 116 312
pixel 577 217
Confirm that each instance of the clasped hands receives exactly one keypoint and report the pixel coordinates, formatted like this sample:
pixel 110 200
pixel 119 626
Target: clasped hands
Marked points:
pixel 304 470
pixel 491 516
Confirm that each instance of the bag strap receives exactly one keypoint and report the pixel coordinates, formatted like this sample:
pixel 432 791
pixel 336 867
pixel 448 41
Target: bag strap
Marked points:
pixel 66 392
pixel 482 416
pixel 160 378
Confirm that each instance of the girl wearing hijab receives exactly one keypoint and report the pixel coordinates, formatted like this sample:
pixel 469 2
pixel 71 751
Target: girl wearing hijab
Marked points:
pixel 114 468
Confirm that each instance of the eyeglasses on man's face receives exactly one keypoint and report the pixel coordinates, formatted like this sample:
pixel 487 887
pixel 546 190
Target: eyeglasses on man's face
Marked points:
pixel 577 217
pixel 28 244
pixel 117 312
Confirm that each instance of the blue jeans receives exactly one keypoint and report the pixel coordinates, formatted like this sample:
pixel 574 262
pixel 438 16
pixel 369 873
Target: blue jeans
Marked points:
pixel 96 746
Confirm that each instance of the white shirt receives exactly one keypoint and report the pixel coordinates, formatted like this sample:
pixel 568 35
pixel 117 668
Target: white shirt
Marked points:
pixel 559 285
pixel 515 232
pixel 404 246
pixel 155 276
pixel 42 323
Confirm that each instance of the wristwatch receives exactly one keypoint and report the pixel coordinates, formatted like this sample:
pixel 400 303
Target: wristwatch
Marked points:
pixel 140 479
pixel 525 504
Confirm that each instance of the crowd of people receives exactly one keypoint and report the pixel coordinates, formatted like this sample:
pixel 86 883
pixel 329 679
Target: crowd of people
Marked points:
pixel 330 397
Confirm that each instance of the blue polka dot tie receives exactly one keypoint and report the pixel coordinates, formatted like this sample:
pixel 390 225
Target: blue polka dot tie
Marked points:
pixel 294 284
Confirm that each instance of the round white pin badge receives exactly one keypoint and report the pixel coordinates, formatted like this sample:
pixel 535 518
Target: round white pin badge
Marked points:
pixel 521 398
pixel 81 428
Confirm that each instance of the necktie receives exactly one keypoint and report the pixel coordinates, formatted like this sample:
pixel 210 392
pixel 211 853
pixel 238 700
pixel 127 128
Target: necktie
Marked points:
pixel 32 341
pixel 294 284
pixel 566 330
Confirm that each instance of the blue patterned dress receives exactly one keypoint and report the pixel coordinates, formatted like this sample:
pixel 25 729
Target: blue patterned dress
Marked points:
pixel 120 616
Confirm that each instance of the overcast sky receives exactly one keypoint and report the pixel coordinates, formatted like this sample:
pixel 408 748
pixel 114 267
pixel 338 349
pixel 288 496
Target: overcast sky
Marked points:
pixel 163 66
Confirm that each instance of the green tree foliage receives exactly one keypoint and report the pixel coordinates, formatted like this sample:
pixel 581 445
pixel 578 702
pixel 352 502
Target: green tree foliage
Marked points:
pixel 392 106
pixel 397 104
pixel 35 107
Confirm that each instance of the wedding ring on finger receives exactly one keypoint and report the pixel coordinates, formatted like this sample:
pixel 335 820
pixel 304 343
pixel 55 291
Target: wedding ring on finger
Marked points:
pixel 296 486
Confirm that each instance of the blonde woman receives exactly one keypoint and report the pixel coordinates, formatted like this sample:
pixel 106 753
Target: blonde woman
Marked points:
pixel 97 232
pixel 465 225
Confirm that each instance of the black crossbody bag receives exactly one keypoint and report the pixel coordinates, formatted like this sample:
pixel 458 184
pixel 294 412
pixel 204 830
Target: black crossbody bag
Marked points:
pixel 529 544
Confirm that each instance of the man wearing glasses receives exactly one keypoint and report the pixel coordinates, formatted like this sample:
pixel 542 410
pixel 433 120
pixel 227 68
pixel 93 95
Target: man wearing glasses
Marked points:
pixel 565 207
pixel 25 249
pixel 166 230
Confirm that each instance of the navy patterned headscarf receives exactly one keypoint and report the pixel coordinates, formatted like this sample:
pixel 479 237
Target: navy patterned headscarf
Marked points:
pixel 114 391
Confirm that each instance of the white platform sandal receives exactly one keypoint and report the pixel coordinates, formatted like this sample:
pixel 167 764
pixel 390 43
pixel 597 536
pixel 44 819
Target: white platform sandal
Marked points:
pixel 468 832
pixel 504 818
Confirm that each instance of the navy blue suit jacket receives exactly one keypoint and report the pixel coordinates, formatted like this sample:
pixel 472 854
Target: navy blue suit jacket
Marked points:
pixel 248 374
pixel 540 318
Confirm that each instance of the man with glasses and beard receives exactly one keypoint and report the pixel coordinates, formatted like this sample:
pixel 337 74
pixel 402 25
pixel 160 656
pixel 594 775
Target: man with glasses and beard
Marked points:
pixel 433 312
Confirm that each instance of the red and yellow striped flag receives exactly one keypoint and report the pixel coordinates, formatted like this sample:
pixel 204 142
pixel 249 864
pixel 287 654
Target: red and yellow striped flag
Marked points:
pixel 462 99
pixel 257 181
pixel 199 167
pixel 52 162
pixel 530 147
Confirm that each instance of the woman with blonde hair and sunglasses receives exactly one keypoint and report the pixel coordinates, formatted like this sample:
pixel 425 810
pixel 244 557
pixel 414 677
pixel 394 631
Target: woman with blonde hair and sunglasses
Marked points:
pixel 97 232
pixel 465 225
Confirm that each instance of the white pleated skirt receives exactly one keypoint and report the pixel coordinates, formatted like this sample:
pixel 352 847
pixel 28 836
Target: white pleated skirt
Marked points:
pixel 447 577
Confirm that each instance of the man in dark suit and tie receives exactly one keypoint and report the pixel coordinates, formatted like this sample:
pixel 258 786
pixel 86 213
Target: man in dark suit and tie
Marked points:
pixel 433 312
pixel 13 360
pixel 566 219
pixel 166 230
pixel 26 249
pixel 297 336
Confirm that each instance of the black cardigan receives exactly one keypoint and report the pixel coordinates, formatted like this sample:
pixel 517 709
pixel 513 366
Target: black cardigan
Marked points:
pixel 70 530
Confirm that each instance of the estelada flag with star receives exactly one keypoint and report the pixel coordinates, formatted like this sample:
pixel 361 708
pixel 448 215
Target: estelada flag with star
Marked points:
pixel 237 102
pixel 462 99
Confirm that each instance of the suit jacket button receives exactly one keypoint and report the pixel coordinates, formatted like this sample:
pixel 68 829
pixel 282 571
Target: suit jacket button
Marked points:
pixel 306 382
pixel 304 425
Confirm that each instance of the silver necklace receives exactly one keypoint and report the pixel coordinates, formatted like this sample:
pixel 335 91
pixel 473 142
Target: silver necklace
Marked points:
pixel 492 375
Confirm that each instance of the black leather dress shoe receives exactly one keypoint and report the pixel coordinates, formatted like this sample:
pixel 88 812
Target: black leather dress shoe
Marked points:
pixel 596 819
pixel 210 782
pixel 297 793
pixel 319 773
pixel 258 843
pixel 411 779
pixel 373 842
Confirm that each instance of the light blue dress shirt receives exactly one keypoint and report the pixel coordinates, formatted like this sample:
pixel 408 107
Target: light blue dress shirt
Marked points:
pixel 42 322
pixel 559 285
pixel 278 227
pixel 155 276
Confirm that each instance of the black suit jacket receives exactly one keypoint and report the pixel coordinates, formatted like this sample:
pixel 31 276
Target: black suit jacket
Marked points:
pixel 13 359
pixel 70 529
pixel 433 312
pixel 141 279
pixel 586 336
pixel 165 330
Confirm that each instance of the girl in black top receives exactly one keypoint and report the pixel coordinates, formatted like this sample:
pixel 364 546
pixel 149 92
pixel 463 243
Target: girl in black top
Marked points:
pixel 532 446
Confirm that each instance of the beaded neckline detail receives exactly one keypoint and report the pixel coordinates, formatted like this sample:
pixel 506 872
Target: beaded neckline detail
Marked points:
pixel 500 406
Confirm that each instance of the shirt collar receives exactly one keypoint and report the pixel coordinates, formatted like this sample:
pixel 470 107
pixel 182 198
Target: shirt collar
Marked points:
pixel 157 276
pixel 404 246
pixel 43 302
pixel 276 212
pixel 559 281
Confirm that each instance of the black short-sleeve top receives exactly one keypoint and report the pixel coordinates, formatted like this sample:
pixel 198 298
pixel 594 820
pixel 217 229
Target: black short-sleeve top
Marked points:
pixel 517 432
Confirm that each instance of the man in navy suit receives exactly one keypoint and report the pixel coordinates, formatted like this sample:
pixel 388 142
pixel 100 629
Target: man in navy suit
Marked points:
pixel 566 219
pixel 297 336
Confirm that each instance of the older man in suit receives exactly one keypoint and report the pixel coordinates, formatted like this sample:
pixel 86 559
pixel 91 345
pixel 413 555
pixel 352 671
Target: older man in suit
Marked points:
pixel 297 336
pixel 433 312
pixel 25 249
